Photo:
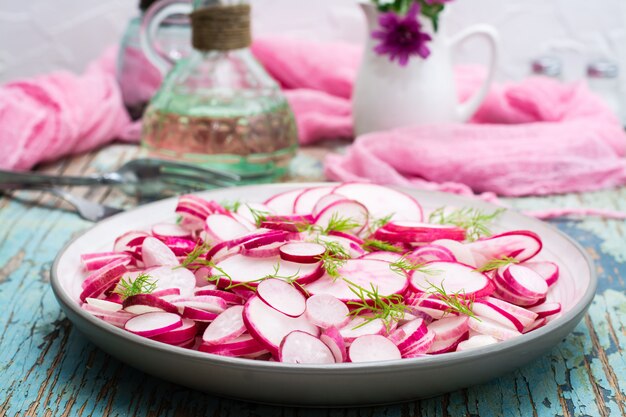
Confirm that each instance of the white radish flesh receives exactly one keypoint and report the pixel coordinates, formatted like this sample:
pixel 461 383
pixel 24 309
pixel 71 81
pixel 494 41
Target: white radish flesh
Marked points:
pixel 283 203
pixel 325 311
pixel 166 277
pixel 525 316
pixel 226 327
pixel 373 348
pixel 450 327
pixel 524 281
pixel 487 310
pixel 548 270
pixel 546 309
pixel 307 199
pixel 411 334
pixel 460 251
pixel 220 228
pixel 422 347
pixel 156 253
pixel 454 278
pixel 520 244
pixel 360 326
pixel 282 297
pixel 153 324
pixel 476 342
pixel 390 257
pixel 302 252
pixel 431 253
pixel 383 201
pixel 364 273
pixel 269 326
pixel 147 303
pixel 104 304
pixel 333 339
pixel 301 347
pixel 165 230
pixel 343 209
pixel 179 335
pixel 245 269
pixel 491 328
pixel 208 303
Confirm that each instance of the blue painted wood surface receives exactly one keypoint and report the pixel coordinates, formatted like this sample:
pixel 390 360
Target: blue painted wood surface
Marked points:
pixel 47 368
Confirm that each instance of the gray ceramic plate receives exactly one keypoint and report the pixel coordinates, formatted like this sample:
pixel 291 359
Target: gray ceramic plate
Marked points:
pixel 325 385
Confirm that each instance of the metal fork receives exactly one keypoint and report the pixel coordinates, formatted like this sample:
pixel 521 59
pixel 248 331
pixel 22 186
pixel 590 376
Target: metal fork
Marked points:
pixel 140 177
pixel 88 210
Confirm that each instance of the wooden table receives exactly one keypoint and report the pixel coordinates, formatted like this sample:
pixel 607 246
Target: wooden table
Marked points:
pixel 47 368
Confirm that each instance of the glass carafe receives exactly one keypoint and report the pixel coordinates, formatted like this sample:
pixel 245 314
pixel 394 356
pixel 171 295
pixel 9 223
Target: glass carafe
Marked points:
pixel 138 78
pixel 219 107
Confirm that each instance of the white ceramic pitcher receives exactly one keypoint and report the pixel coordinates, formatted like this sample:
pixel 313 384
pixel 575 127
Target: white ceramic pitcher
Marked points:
pixel 387 95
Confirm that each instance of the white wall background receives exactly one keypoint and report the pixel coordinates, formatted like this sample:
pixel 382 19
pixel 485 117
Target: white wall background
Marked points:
pixel 37 36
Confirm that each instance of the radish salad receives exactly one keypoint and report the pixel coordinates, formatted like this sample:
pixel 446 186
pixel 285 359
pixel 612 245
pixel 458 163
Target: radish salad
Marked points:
pixel 329 274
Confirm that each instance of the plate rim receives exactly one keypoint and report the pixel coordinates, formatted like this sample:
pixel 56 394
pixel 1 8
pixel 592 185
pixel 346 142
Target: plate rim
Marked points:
pixel 404 364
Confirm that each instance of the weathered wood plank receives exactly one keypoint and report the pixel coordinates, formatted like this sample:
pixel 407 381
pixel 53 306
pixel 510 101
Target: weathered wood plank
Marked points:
pixel 48 368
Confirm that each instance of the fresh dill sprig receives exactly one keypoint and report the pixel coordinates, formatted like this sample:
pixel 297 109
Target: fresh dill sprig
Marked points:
pixel 192 257
pixel 142 284
pixel 216 278
pixel 333 258
pixel 179 219
pixel 259 215
pixel 375 244
pixel 497 263
pixel 231 206
pixel 457 302
pixel 474 221
pixel 340 224
pixel 389 309
pixel 404 264
pixel 375 224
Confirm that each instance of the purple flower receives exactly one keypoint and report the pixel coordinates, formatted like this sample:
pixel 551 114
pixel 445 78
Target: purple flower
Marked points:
pixel 401 37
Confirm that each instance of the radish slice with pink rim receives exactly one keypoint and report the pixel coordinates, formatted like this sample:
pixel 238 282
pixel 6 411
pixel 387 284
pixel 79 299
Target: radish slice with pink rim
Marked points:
pixel 165 230
pixel 343 209
pixel 307 199
pixel 129 241
pixel 450 327
pixel 283 203
pixel 492 328
pixel 519 244
pixel 156 253
pixel 390 257
pixel 546 309
pixel 208 303
pixel 167 277
pixel 269 326
pixel 325 311
pixel 525 316
pixel 422 347
pixel 431 253
pixel 373 348
pixel 220 228
pixel 282 297
pixel 179 335
pixel 410 334
pixel 95 261
pixel 382 201
pixel 524 281
pixel 453 278
pixel 101 280
pixel 460 251
pixel 147 303
pixel 104 304
pixel 301 347
pixel 153 324
pixel 361 326
pixel 198 315
pixel 245 269
pixel 410 232
pixel 548 270
pixel 226 327
pixel 484 309
pixel 302 252
pixel 333 339
pixel 364 273
pixel 245 211
pixel 476 342
pixel 448 345
pixel 116 318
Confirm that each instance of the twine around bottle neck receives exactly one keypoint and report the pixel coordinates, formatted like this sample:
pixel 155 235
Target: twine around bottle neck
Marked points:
pixel 221 28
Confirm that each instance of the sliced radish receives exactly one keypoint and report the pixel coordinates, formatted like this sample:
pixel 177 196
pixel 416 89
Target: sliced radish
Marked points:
pixel 373 348
pixel 102 279
pixel 460 251
pixel 325 311
pixel 283 203
pixel 197 314
pixel 167 277
pixel 180 246
pixel 447 345
pixel 307 199
pixel 536 324
pixel 454 278
pixel 417 232
pixel 104 304
pixel 348 236
pixel 116 318
pixel 245 269
pixel 180 335
pixel 95 261
pixel 326 201
pixel 164 230
pixel 129 241
pixel 524 281
pixel 229 297
pixel 156 253
pixel 220 228
pixel 354 250
pixel 208 303
pixel 269 326
pixel 333 339
pixel 503 292
pixel 364 273
pixel 422 347
pixel 548 270
pixel 245 211
pixel 485 309
pixel 153 324
pixel 282 297
pixel 520 244
pixel 450 327
pixel 382 201
pixel 301 347
pixel 241 346
pixel 491 328
pixel 361 326
pixel 525 316
pixel 226 327
pixel 147 303
pixel 431 253
pixel 476 342
pixel 546 309
pixel 167 293
pixel 302 252
pixel 410 334
pixel 343 209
